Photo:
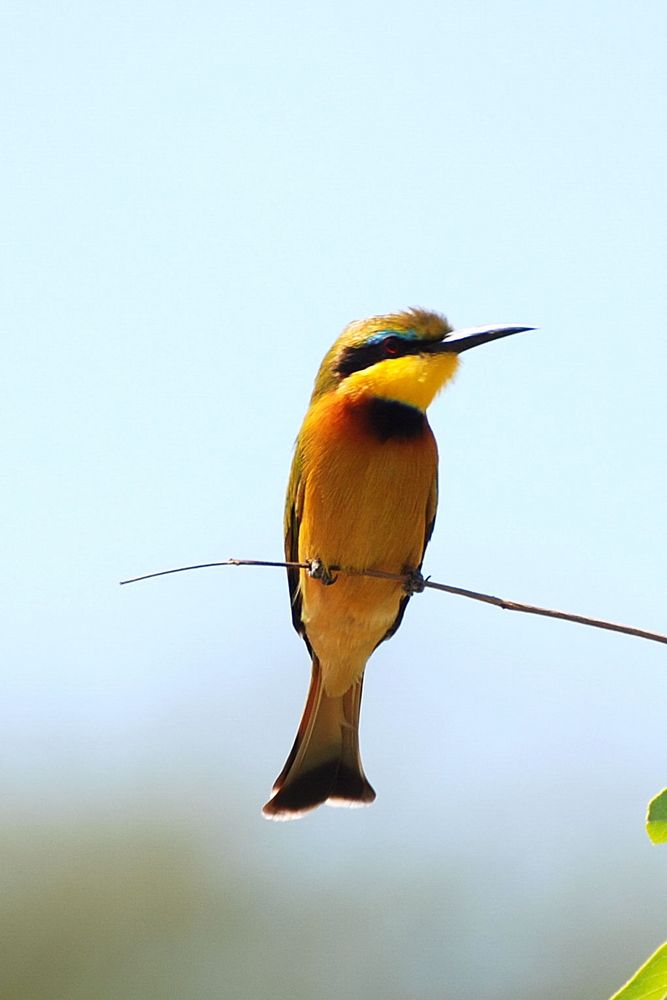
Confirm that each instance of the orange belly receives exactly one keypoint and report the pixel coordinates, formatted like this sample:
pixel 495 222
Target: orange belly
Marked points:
pixel 366 505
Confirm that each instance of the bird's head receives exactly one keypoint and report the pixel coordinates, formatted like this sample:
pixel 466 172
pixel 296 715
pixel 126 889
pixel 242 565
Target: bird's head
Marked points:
pixel 406 357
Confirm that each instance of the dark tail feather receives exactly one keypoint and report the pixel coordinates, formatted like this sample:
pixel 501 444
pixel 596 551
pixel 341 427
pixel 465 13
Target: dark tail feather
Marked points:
pixel 324 763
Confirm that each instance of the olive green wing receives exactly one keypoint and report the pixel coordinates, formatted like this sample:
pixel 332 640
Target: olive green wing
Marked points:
pixel 431 510
pixel 293 512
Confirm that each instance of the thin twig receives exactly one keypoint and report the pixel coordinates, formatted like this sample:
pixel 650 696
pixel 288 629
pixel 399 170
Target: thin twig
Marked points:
pixel 474 595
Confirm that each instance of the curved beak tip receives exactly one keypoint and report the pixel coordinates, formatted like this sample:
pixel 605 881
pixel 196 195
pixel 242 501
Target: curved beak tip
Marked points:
pixel 462 340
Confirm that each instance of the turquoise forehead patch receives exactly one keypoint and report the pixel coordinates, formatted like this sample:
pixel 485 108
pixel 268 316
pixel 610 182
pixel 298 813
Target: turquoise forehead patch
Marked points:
pixel 381 335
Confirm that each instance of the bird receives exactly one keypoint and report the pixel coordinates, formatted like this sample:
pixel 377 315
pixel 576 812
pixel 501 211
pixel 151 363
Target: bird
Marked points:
pixel 362 495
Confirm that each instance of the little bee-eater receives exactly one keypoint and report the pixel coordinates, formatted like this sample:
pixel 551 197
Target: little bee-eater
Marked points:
pixel 362 495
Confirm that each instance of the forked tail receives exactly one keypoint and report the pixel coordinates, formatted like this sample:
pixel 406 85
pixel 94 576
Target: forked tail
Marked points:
pixel 324 764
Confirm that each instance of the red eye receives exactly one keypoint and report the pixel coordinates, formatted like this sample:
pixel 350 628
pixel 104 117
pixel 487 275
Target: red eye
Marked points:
pixel 391 346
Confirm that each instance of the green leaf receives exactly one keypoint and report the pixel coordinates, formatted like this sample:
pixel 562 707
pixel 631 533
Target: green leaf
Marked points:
pixel 656 818
pixel 649 982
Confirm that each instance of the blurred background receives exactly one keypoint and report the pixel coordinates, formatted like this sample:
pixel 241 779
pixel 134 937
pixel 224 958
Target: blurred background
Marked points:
pixel 197 198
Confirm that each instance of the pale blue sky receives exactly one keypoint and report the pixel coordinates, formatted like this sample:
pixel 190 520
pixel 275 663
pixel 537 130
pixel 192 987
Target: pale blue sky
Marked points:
pixel 197 198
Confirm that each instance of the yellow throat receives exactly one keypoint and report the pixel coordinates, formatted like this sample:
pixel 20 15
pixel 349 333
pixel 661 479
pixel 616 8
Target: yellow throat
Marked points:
pixel 414 380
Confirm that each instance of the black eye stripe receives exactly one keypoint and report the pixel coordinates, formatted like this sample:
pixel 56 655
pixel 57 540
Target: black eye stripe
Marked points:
pixel 355 359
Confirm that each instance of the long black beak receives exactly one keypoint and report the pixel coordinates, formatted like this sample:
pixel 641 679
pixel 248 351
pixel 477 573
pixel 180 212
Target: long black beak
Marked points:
pixel 462 340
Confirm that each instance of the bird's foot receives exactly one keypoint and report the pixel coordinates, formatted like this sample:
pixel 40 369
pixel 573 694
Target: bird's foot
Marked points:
pixel 318 571
pixel 414 583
